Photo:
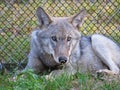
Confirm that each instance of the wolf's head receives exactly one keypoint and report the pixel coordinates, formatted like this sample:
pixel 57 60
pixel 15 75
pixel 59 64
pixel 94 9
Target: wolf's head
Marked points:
pixel 59 35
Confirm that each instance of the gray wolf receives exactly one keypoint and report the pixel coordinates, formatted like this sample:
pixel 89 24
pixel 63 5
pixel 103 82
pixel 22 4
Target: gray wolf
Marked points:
pixel 59 45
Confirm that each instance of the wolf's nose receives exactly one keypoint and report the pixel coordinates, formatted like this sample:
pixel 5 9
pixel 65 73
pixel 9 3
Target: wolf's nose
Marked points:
pixel 62 59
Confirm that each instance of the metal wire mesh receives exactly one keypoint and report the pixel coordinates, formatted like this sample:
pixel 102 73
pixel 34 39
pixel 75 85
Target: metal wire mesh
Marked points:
pixel 17 20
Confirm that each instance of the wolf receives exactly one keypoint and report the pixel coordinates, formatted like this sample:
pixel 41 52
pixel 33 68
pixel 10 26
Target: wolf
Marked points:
pixel 58 45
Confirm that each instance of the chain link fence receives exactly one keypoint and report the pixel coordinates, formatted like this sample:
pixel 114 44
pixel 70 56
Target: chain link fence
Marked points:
pixel 17 20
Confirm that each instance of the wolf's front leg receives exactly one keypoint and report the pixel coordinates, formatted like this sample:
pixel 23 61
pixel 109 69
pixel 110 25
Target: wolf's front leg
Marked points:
pixel 35 64
pixel 106 50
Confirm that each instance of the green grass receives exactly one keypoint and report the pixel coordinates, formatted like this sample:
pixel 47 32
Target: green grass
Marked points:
pixel 27 80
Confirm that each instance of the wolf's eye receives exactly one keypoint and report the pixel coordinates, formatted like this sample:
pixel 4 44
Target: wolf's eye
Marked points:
pixel 68 38
pixel 54 38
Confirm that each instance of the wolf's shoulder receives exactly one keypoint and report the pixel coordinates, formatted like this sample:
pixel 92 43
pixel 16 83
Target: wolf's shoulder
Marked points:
pixel 85 41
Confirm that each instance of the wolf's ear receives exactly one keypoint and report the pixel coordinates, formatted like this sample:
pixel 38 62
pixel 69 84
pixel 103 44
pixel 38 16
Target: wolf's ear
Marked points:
pixel 78 19
pixel 43 18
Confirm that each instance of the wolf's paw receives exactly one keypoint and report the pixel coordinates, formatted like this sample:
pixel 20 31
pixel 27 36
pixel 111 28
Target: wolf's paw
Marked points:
pixel 54 74
pixel 49 77
pixel 106 72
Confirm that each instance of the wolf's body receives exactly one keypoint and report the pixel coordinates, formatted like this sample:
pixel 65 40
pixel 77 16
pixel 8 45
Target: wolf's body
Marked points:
pixel 59 43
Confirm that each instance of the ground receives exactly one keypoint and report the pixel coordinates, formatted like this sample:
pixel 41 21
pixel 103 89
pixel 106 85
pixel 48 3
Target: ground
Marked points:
pixel 27 80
